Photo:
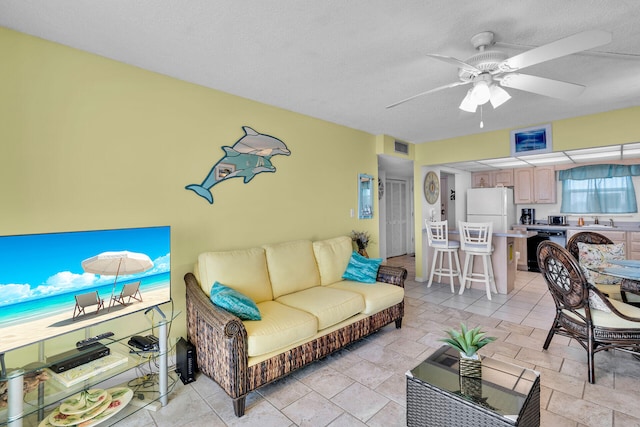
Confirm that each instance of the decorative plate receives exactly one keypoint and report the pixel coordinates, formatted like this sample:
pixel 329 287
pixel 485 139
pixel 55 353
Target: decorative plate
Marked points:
pixel 58 419
pixel 120 398
pixel 431 187
pixel 82 402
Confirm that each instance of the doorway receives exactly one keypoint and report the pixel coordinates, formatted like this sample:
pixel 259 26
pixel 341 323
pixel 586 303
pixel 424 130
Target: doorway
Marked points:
pixel 396 223
pixel 397 208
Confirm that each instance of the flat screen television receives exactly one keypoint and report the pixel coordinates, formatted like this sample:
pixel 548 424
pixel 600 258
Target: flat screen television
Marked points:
pixel 48 281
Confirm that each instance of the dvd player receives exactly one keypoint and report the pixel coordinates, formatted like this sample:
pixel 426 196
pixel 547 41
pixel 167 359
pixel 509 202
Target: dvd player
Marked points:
pixel 76 357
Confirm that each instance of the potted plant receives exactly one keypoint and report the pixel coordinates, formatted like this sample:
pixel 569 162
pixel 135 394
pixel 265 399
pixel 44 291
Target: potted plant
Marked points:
pixel 361 239
pixel 468 342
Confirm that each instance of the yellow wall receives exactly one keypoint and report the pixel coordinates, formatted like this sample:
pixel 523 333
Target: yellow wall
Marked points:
pixel 609 128
pixel 90 143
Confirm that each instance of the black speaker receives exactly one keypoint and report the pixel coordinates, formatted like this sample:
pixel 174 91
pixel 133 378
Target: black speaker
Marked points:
pixel 186 361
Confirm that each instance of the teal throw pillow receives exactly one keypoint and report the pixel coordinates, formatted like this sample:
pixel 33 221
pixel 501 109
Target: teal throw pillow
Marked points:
pixel 234 302
pixel 362 269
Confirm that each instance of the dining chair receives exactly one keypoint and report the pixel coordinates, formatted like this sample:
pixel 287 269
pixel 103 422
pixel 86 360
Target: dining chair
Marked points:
pixel 438 235
pixel 475 241
pixel 583 312
pixel 612 290
pixel 86 300
pixel 130 291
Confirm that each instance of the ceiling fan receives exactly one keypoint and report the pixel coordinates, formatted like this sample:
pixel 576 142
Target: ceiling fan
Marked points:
pixel 490 69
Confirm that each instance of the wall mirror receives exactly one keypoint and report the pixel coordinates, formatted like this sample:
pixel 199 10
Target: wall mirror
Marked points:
pixel 365 196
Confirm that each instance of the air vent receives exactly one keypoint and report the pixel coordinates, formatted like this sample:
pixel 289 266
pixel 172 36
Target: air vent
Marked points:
pixel 401 147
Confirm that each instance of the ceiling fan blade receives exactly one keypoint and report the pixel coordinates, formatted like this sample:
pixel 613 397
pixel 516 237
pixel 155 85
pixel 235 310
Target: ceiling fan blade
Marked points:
pixel 567 46
pixel 453 61
pixel 541 85
pixel 450 85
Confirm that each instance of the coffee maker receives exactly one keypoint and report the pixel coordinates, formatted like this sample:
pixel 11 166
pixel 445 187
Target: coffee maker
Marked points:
pixel 528 216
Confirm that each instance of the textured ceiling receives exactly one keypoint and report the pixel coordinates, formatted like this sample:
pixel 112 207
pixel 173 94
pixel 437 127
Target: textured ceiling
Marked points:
pixel 344 61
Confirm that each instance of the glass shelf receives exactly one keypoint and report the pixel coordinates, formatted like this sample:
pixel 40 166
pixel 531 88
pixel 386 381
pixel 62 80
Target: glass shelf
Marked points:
pixel 31 406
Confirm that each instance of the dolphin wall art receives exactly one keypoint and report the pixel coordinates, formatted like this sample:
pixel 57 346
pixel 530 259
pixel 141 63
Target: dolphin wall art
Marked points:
pixel 249 156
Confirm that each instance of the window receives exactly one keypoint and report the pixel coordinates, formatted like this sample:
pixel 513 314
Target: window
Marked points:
pixel 599 189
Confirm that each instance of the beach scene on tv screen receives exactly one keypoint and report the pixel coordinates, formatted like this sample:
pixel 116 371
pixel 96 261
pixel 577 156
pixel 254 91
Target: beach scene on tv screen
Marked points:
pixel 54 283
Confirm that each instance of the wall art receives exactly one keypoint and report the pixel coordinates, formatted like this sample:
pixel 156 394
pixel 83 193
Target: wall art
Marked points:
pixel 533 140
pixel 249 156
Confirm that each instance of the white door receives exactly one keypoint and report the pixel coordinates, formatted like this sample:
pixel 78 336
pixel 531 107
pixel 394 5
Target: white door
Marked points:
pixel 397 217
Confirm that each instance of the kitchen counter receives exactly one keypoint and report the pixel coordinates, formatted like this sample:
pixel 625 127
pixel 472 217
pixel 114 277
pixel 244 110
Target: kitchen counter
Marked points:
pixel 518 234
pixel 628 226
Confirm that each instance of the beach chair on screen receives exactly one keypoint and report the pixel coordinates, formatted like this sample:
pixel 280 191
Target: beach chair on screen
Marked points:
pixel 87 300
pixel 129 291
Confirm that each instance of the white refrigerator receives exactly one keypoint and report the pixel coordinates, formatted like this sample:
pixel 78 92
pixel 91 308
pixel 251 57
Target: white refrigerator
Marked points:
pixel 492 205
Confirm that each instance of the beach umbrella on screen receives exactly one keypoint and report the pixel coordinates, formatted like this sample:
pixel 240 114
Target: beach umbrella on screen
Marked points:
pixel 120 263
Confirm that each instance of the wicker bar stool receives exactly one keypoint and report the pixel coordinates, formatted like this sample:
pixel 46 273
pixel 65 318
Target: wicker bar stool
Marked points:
pixel 438 234
pixel 475 241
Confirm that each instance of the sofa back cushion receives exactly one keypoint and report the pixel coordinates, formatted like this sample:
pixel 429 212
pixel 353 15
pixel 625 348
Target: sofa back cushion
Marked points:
pixel 332 256
pixel 243 270
pixel 292 267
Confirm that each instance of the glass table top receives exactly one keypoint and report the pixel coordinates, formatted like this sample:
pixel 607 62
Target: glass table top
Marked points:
pixel 502 389
pixel 626 269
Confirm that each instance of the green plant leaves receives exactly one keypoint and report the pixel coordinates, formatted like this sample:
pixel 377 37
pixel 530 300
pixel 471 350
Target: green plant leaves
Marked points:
pixel 467 341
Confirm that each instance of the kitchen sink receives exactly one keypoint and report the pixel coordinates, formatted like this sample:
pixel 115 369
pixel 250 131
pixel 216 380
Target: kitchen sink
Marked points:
pixel 599 226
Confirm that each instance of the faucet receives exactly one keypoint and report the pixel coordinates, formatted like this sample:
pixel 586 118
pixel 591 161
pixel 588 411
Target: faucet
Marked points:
pixel 611 222
pixel 595 220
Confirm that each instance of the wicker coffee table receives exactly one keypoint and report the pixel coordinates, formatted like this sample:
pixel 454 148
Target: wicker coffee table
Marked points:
pixel 506 395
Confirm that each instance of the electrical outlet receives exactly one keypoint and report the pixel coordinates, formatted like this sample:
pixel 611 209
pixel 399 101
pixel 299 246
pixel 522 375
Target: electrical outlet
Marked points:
pixel 352 213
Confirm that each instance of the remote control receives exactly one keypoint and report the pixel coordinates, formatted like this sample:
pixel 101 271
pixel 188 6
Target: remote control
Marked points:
pixel 91 340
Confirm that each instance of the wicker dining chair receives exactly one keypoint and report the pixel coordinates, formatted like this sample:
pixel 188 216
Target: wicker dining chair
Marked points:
pixel 582 312
pixel 586 237
pixel 589 237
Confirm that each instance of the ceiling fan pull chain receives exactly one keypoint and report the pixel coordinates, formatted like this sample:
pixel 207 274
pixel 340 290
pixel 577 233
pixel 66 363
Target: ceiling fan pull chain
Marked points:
pixel 481 122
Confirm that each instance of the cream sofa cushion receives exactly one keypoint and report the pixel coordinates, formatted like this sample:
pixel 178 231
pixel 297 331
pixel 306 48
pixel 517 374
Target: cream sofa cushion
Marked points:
pixel 377 296
pixel 329 306
pixel 292 267
pixel 332 256
pixel 280 327
pixel 243 270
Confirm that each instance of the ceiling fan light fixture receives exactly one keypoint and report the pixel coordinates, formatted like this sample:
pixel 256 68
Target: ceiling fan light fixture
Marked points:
pixel 468 104
pixel 480 92
pixel 498 96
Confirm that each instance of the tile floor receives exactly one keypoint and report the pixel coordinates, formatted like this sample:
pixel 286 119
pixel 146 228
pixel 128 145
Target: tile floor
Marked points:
pixel 364 385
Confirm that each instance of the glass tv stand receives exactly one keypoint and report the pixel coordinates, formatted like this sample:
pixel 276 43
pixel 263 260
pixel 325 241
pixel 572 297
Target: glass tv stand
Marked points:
pixel 31 407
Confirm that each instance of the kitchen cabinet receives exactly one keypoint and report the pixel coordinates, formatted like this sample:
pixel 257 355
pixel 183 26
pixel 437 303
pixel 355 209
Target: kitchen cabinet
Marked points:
pixel 521 248
pixel 534 185
pixel 633 245
pixel 481 179
pixel 502 177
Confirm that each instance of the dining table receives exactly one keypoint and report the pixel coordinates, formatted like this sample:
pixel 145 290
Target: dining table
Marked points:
pixel 629 271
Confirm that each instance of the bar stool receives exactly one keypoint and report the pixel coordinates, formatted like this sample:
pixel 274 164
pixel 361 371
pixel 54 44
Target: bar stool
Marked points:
pixel 438 234
pixel 475 241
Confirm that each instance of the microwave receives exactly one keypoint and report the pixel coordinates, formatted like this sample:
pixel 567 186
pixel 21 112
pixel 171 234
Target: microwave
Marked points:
pixel 557 220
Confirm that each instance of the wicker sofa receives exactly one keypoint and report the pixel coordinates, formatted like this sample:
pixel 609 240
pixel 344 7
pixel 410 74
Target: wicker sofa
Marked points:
pixel 308 311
